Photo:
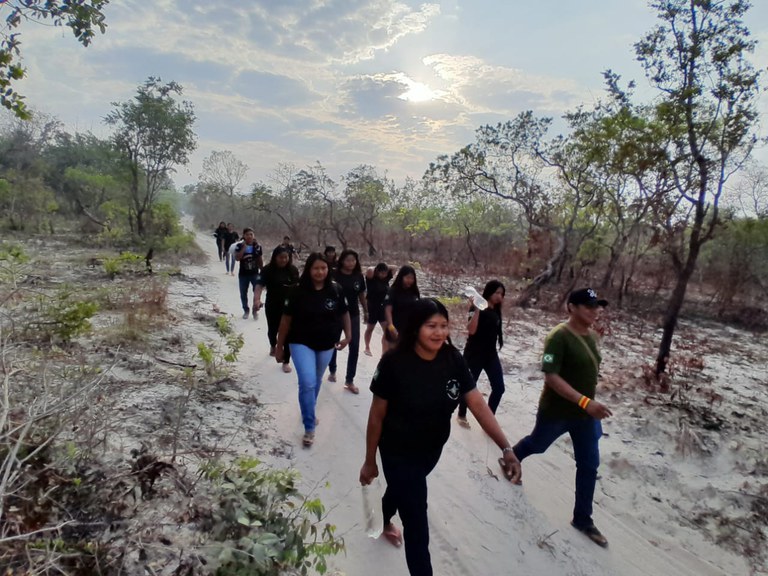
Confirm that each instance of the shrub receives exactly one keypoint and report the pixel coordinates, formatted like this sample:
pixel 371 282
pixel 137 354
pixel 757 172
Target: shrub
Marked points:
pixel 267 528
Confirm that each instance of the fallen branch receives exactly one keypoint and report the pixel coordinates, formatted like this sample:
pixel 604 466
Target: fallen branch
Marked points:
pixel 171 363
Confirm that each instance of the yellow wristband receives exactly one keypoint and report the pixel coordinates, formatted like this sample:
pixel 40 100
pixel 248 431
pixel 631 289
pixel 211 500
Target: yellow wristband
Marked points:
pixel 584 402
pixel 391 328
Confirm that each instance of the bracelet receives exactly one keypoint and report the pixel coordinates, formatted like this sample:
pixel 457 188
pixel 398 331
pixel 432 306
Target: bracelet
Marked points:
pixel 391 328
pixel 507 449
pixel 584 402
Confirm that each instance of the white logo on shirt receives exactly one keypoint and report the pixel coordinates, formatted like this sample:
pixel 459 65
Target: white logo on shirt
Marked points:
pixel 549 358
pixel 452 389
pixel 330 304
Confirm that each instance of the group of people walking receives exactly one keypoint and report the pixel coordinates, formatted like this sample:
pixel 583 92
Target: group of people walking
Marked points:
pixel 422 378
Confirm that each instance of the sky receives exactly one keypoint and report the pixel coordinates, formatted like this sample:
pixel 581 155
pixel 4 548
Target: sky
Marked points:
pixel 386 83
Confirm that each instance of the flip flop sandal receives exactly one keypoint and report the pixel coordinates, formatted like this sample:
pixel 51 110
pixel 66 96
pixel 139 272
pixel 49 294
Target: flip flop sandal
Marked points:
pixel 352 388
pixel 394 536
pixel 593 534
pixel 308 439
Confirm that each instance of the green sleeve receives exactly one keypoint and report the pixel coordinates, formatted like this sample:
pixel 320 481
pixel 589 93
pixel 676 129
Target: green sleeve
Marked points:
pixel 554 351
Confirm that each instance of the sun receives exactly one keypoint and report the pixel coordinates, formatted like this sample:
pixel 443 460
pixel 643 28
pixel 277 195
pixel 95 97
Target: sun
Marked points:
pixel 418 92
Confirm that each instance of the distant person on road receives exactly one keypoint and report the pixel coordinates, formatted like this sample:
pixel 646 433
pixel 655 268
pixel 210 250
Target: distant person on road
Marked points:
pixel 398 302
pixel 220 234
pixel 279 277
pixel 230 239
pixel 314 316
pixel 330 256
pixel 350 277
pixel 416 388
pixel 377 285
pixel 571 363
pixel 288 246
pixel 485 332
pixel 249 254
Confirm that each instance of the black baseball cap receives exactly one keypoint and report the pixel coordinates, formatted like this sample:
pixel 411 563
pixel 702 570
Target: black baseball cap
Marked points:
pixel 587 297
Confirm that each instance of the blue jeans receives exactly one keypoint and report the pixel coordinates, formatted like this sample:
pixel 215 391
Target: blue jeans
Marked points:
pixel 585 434
pixel 229 261
pixel 406 494
pixel 492 367
pixel 246 280
pixel 354 352
pixel 310 366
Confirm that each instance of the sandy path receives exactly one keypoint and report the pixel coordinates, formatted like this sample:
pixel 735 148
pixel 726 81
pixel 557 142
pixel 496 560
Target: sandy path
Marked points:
pixel 478 525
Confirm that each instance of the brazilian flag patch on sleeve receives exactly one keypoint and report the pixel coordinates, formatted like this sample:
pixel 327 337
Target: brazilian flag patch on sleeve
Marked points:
pixel 548 358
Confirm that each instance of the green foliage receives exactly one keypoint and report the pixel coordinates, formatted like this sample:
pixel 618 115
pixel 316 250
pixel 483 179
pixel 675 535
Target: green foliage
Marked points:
pixel 154 133
pixel 266 526
pixel 83 17
pixel 26 202
pixel 13 264
pixel 66 315
pixel 125 263
pixel 225 352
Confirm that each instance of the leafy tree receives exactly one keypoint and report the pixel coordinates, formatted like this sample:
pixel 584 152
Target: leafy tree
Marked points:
pixel 155 134
pixel 367 195
pixel 83 17
pixel 697 59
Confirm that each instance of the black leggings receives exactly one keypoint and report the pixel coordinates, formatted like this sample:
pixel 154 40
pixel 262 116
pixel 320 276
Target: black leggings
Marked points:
pixel 406 494
pixel 274 314
pixel 492 367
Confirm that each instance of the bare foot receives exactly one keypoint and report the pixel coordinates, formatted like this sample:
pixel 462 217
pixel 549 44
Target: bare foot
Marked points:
pixel 287 368
pixel 368 352
pixel 463 422
pixel 393 534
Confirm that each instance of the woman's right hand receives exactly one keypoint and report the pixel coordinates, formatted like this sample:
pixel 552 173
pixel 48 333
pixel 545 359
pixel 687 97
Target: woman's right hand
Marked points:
pixel 368 472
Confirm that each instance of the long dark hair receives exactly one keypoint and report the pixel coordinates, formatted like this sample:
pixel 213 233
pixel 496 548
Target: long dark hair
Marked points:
pixel 418 314
pixel 276 252
pixel 305 281
pixel 397 285
pixel 490 289
pixel 340 262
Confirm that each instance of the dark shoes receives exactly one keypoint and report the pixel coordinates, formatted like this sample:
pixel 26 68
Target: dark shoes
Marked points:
pixel 593 534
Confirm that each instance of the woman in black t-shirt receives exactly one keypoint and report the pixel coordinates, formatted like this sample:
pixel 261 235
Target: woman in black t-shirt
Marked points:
pixel 399 300
pixel 416 388
pixel 278 277
pixel 350 277
pixel 229 256
pixel 220 234
pixel 315 314
pixel 377 285
pixel 485 331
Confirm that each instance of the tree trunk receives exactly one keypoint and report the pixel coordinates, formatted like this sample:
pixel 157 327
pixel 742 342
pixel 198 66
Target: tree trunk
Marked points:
pixel 549 272
pixel 675 305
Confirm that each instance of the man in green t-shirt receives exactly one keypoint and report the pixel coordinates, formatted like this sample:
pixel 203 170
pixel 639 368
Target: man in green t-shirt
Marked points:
pixel 570 363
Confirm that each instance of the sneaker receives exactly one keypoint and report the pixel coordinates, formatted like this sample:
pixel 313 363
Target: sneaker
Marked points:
pixel 308 439
pixel 332 377
pixel 246 314
pixel 593 534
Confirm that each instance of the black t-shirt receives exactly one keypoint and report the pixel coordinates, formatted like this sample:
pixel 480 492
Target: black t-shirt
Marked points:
pixel 482 343
pixel 230 238
pixel 352 285
pixel 279 283
pixel 316 316
pixel 421 395
pixel 220 234
pixel 249 262
pixel 401 302
pixel 377 291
